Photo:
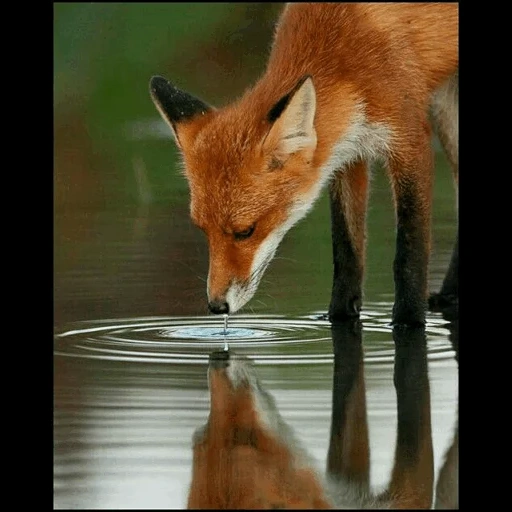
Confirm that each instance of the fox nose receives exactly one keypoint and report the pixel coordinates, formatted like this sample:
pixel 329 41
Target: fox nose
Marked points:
pixel 219 359
pixel 218 307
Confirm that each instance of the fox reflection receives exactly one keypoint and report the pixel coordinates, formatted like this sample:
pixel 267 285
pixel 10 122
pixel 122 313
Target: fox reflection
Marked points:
pixel 248 457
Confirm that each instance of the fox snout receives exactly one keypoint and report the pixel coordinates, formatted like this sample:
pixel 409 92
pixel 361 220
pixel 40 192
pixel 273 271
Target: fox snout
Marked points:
pixel 232 298
pixel 235 272
pixel 218 307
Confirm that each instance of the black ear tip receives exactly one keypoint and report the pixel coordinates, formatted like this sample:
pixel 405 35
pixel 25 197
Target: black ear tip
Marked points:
pixel 158 83
pixel 173 103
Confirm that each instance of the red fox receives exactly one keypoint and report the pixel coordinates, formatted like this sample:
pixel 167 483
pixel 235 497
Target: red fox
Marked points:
pixel 248 457
pixel 346 84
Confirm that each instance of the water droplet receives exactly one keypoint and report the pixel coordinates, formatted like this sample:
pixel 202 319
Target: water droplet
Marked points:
pixel 226 316
pixel 226 347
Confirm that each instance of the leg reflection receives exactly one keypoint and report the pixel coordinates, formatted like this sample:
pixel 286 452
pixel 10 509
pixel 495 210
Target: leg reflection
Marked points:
pixel 348 459
pixel 348 462
pixel 412 478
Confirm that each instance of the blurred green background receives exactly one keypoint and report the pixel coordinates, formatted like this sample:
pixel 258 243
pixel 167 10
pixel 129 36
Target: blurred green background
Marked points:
pixel 107 131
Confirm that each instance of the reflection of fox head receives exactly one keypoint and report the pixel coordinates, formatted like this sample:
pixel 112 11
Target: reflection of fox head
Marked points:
pixel 251 175
pixel 246 456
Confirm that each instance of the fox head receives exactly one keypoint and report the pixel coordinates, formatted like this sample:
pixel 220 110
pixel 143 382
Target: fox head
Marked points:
pixel 251 178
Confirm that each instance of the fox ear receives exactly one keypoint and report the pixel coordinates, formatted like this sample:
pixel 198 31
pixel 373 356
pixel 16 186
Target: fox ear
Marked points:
pixel 175 106
pixel 293 121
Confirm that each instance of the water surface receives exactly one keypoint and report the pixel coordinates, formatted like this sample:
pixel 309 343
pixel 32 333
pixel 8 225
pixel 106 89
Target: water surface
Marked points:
pixel 130 369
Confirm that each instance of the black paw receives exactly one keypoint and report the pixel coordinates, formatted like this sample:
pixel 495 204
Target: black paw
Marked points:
pixel 340 311
pixel 439 301
pixel 444 303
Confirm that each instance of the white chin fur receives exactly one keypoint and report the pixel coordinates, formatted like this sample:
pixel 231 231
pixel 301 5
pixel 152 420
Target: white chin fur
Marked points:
pixel 240 293
pixel 238 296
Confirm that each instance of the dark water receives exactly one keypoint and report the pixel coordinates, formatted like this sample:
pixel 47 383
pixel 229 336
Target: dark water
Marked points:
pixel 130 377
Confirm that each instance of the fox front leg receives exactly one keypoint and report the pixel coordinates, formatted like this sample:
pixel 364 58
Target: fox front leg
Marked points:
pixel 348 193
pixel 411 173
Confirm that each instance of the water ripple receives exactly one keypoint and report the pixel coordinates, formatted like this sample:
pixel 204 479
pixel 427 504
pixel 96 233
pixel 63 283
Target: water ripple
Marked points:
pixel 271 339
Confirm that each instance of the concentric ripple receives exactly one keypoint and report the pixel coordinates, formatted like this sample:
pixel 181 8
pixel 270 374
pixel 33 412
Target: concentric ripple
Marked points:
pixel 269 339
pixel 201 333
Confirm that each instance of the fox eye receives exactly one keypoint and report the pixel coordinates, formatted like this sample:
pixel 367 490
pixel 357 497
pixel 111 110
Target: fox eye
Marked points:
pixel 246 233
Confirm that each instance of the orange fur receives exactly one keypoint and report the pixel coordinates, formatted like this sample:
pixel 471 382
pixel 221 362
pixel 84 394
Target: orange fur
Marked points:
pixel 382 62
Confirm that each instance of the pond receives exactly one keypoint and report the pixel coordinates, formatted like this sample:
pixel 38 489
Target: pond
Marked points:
pixel 130 375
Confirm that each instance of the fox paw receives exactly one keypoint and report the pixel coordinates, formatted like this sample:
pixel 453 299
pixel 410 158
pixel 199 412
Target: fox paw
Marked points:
pixel 344 310
pixel 447 304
